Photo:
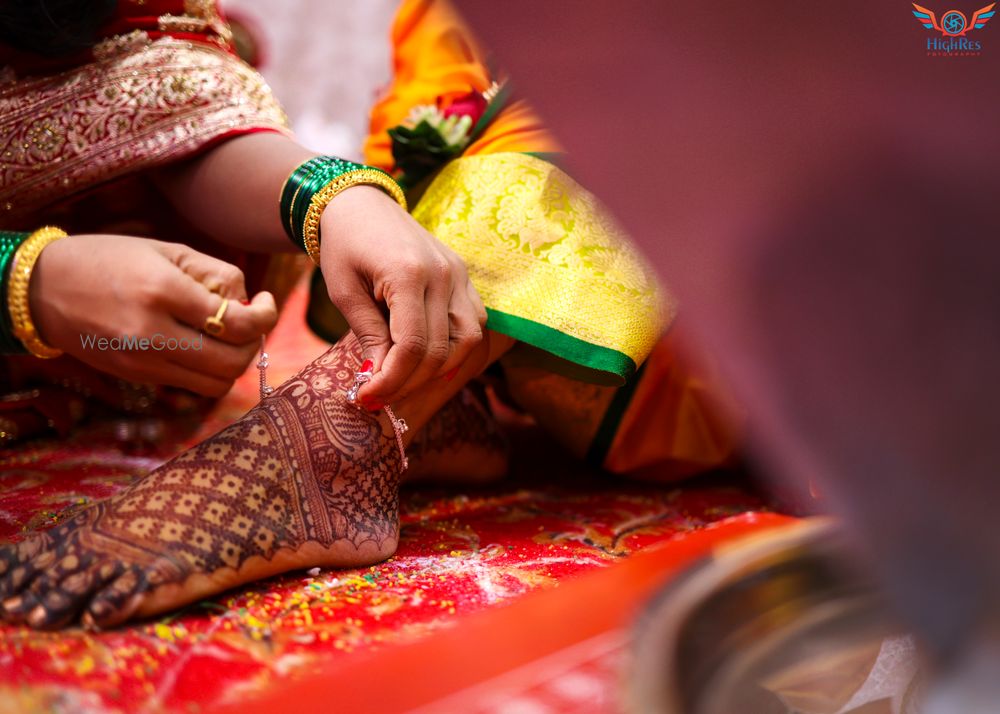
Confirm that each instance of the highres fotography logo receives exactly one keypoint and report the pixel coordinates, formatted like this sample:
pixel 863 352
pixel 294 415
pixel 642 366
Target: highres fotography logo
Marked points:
pixel 954 26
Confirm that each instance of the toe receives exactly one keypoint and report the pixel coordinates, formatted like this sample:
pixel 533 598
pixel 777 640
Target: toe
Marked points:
pixel 116 602
pixel 25 606
pixel 15 609
pixel 50 610
pixel 60 602
pixel 22 577
pixel 12 583
pixel 19 564
pixel 10 557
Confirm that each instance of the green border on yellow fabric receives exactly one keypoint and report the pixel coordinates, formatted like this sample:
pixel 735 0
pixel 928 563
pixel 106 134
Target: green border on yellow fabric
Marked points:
pixel 567 347
pixel 612 418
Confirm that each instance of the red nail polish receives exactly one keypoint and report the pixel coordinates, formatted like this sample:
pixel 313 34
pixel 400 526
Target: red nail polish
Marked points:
pixel 372 405
pixel 367 365
pixel 451 374
pixel 244 302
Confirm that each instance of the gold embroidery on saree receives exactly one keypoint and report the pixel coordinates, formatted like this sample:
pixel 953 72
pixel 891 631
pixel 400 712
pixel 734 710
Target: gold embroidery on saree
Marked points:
pixel 106 49
pixel 142 104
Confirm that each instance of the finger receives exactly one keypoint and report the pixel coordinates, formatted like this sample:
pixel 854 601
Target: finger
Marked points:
pixel 477 301
pixel 150 366
pixel 246 323
pixel 192 304
pixel 368 323
pixel 196 382
pixel 157 367
pixel 465 330
pixel 436 306
pixel 200 353
pixel 408 332
pixel 216 275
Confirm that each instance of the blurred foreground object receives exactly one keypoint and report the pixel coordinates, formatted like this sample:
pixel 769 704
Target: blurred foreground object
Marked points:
pixel 819 190
pixel 779 623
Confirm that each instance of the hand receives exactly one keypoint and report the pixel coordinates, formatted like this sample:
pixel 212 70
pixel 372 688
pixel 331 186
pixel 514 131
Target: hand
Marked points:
pixel 113 286
pixel 376 258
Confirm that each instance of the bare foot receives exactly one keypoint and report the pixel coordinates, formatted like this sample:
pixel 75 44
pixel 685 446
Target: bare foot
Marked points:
pixel 462 443
pixel 304 479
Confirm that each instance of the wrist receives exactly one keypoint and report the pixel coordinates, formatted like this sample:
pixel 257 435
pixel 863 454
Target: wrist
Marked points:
pixel 22 301
pixel 315 184
pixel 350 211
pixel 45 275
pixel 353 202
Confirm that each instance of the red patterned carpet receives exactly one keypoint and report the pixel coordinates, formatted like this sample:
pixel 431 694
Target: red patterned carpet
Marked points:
pixel 461 552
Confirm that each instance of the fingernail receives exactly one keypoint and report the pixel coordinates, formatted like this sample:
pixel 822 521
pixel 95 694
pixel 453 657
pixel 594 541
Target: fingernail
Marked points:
pixel 451 374
pixel 366 366
pixel 372 405
pixel 244 302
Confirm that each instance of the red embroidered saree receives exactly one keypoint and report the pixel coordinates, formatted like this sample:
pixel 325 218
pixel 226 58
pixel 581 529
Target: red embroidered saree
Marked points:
pixel 80 137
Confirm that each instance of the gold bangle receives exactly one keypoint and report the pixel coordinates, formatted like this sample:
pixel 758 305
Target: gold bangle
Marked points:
pixel 373 177
pixel 18 303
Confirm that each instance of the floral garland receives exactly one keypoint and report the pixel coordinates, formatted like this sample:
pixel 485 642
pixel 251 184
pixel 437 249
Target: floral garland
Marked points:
pixel 434 134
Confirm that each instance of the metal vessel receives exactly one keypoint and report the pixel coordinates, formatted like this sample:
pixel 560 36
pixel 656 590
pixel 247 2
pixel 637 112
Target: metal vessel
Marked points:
pixel 783 623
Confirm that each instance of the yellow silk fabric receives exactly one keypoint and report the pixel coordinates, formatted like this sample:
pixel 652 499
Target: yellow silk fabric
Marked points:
pixel 542 250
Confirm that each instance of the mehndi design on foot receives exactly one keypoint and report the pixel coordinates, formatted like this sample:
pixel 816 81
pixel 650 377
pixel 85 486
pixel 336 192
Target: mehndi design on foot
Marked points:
pixel 304 479
pixel 462 443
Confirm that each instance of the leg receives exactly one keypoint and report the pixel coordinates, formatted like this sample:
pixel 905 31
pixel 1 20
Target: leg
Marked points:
pixel 303 479
pixel 461 444
pixel 569 410
pixel 676 420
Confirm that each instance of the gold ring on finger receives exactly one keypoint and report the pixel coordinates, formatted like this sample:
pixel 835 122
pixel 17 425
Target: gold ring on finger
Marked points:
pixel 214 324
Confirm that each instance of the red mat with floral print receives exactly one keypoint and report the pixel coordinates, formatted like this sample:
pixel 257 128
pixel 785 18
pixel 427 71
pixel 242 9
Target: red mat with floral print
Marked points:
pixel 461 551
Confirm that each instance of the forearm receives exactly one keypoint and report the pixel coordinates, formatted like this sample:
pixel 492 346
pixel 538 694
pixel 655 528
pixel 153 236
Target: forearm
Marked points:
pixel 232 191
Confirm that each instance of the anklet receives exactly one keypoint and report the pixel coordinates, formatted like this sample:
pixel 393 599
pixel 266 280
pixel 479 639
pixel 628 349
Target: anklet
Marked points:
pixel 399 426
pixel 262 365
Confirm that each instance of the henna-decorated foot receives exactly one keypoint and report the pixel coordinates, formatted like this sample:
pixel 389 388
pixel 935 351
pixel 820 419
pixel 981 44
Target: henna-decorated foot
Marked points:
pixel 304 479
pixel 462 443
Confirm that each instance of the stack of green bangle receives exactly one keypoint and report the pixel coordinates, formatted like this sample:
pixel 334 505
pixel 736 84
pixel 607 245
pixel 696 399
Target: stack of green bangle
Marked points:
pixel 9 243
pixel 304 183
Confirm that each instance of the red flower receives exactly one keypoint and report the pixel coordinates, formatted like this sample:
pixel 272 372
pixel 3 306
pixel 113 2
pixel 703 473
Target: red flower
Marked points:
pixel 471 105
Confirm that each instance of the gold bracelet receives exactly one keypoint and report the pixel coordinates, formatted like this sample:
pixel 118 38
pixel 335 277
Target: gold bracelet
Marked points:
pixel 18 303
pixel 322 198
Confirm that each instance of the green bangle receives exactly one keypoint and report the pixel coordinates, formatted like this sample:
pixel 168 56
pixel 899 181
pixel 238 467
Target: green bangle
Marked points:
pixel 290 192
pixel 308 180
pixel 325 172
pixel 9 243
